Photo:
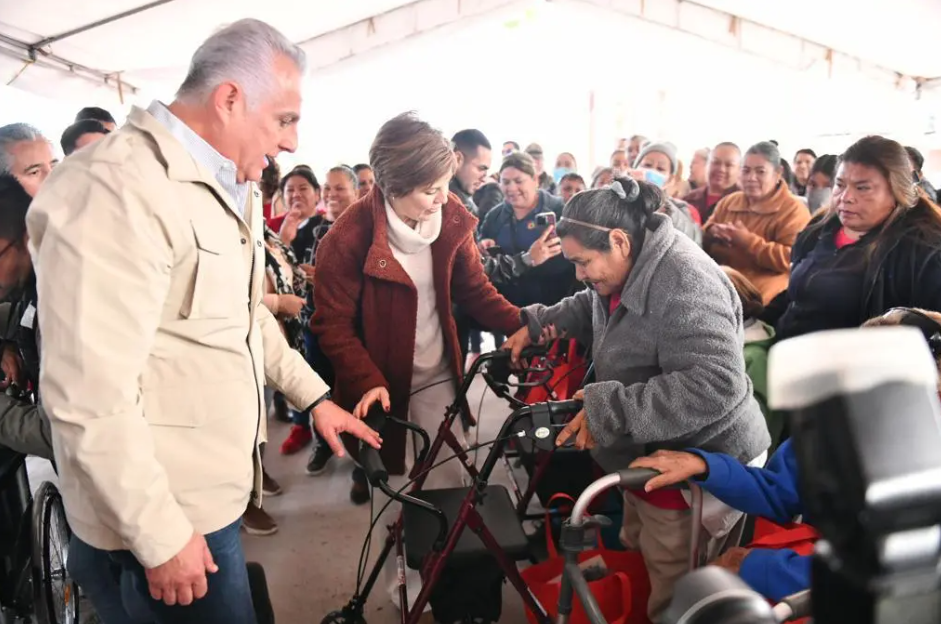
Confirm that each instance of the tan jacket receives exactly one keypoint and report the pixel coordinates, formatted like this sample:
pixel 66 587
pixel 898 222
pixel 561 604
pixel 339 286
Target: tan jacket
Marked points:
pixel 155 346
pixel 773 226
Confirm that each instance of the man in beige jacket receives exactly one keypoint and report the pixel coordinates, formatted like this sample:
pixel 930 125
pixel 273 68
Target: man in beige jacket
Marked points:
pixel 150 260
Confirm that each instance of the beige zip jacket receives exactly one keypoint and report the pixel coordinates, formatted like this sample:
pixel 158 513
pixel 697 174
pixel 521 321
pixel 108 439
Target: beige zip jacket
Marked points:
pixel 155 346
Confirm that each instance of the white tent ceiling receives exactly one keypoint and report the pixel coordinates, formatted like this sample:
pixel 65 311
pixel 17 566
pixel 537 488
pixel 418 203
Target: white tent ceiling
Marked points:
pixel 149 49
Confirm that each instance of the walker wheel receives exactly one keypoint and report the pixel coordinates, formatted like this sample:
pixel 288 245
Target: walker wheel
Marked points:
pixel 338 617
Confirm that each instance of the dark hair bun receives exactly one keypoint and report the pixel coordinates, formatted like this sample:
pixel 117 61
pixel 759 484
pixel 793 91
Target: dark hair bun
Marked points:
pixel 627 188
pixel 643 196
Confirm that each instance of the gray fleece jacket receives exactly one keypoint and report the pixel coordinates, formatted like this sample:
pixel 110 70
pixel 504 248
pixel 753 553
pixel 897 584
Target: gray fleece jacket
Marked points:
pixel 669 361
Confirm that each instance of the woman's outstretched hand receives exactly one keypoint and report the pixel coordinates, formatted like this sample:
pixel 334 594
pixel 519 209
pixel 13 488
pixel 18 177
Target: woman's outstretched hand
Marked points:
pixel 673 466
pixel 549 334
pixel 577 427
pixel 376 394
pixel 331 420
pixel 521 339
pixel 515 345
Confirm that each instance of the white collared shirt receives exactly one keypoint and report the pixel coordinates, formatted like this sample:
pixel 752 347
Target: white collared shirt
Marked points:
pixel 222 169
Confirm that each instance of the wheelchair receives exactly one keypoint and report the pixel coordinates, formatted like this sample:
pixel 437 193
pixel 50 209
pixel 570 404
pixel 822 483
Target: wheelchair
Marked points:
pixel 35 587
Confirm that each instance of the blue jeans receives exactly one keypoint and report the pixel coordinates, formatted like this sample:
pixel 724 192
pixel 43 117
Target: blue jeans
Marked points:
pixel 116 584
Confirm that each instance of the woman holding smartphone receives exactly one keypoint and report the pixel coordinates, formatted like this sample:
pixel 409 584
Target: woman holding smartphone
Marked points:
pixel 514 228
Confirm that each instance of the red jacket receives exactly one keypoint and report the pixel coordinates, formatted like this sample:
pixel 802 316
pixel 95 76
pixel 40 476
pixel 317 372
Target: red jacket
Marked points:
pixel 698 199
pixel 366 306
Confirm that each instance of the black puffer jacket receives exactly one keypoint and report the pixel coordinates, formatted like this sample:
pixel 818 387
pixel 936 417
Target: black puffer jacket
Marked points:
pixel 903 271
pixel 500 268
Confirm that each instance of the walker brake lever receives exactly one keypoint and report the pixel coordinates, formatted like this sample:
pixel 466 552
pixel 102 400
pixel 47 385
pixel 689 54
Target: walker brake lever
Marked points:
pixel 545 422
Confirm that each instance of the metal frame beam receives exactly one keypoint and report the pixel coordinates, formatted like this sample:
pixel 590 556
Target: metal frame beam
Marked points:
pixel 20 50
pixel 37 53
pixel 393 26
pixel 107 20
pixel 748 36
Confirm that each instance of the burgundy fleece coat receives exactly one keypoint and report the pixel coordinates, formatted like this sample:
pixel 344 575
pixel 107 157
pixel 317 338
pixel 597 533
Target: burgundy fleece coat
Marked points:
pixel 366 306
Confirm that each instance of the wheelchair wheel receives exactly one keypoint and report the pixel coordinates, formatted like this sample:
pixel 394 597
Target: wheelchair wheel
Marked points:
pixel 337 617
pixel 55 593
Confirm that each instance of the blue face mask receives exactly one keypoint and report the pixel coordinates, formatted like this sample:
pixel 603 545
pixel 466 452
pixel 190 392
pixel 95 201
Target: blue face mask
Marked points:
pixel 818 198
pixel 561 172
pixel 655 177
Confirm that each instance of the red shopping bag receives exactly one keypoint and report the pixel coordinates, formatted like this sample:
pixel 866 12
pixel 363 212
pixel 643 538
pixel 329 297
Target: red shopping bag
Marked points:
pixel 798 537
pixel 622 594
pixel 568 370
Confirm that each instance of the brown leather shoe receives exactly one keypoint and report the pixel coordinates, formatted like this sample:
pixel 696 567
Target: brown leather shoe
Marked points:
pixel 256 521
pixel 269 486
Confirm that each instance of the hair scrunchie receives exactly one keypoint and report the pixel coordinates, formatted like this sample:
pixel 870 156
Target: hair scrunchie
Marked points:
pixel 629 195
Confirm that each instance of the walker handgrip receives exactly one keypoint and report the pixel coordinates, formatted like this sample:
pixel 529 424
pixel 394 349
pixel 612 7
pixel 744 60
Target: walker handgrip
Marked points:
pixel 528 353
pixel 372 464
pixel 499 369
pixel 534 351
pixel 636 478
pixel 565 408
pixel 369 457
pixel 799 605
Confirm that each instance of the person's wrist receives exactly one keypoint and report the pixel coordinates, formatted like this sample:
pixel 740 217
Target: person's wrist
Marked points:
pixel 702 467
pixel 527 259
pixel 326 398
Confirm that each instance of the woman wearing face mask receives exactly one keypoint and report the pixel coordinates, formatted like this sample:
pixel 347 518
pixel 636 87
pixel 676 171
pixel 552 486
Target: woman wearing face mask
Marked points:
pixel 514 228
pixel 820 182
pixel 875 246
pixel 658 165
pixel 753 230
pixel 386 278
pixel 665 328
pixel 564 165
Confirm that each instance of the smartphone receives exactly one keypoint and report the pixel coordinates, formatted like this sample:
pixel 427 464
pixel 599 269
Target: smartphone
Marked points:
pixel 546 219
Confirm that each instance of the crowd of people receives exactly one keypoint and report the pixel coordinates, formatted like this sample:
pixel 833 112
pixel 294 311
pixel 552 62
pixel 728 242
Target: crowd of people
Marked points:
pixel 179 290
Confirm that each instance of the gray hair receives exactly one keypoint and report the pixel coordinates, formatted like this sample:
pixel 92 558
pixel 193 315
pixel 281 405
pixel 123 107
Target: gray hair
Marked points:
pixel 242 52
pixel 624 205
pixel 769 151
pixel 349 173
pixel 10 135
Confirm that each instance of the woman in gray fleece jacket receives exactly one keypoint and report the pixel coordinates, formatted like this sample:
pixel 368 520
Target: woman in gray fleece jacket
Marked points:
pixel 665 326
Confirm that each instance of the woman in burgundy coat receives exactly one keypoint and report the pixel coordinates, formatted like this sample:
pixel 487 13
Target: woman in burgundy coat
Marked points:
pixel 387 275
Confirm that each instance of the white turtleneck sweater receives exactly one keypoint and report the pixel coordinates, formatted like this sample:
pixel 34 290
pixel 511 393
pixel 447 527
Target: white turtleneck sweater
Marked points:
pixel 411 247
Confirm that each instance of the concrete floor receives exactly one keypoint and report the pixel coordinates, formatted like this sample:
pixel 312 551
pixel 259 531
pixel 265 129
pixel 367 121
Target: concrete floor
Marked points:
pixel 311 561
